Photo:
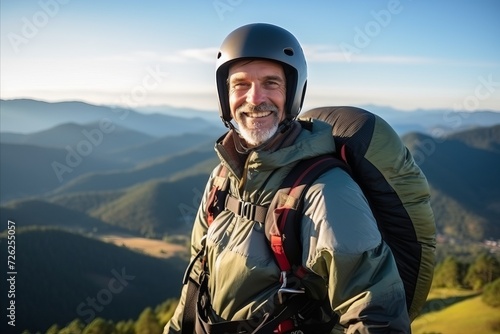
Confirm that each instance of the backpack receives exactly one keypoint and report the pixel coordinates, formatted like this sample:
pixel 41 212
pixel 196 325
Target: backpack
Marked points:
pixel 396 189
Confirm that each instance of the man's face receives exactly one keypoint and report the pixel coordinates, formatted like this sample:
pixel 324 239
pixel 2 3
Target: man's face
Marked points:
pixel 257 92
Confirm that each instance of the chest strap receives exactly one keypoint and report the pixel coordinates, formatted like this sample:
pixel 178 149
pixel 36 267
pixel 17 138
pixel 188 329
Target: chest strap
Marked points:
pixel 246 209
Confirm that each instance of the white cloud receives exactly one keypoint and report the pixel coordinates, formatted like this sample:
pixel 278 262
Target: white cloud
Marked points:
pixel 206 55
pixel 331 54
pixel 203 55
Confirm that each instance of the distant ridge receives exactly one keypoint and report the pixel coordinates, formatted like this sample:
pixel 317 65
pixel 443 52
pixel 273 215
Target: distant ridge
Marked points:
pixel 161 168
pixel 27 170
pixel 151 209
pixel 40 213
pixel 462 172
pixel 487 138
pixel 104 137
pixel 27 116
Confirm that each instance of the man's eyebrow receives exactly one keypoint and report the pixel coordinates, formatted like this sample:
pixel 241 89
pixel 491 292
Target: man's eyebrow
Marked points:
pixel 273 77
pixel 235 79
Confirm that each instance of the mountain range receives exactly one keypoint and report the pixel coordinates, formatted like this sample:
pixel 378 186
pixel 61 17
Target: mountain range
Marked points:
pixel 136 167
pixel 68 175
pixel 434 122
pixel 25 116
pixel 462 171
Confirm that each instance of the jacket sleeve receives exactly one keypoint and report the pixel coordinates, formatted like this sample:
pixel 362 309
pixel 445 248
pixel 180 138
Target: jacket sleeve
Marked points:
pixel 200 226
pixel 343 245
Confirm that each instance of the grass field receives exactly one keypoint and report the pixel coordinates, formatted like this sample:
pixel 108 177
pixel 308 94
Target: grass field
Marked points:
pixel 457 312
pixel 153 247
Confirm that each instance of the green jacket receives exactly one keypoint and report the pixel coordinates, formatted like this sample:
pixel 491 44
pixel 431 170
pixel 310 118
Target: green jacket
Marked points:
pixel 340 240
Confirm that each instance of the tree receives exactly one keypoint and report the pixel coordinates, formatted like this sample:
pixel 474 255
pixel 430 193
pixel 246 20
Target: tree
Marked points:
pixel 484 270
pixel 447 274
pixel 125 327
pixel 166 310
pixel 74 327
pixel 147 323
pixel 54 329
pixel 99 326
pixel 491 294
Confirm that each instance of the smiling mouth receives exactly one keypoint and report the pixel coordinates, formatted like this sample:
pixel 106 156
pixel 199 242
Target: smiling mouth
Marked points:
pixel 258 114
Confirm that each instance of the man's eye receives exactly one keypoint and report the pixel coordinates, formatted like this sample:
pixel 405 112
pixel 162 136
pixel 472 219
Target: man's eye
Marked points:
pixel 240 85
pixel 272 84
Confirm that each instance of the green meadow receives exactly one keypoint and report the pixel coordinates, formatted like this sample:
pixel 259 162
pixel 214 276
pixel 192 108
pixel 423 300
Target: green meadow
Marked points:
pixel 450 311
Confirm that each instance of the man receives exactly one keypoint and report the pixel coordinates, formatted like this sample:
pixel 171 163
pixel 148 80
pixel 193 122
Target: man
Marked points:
pixel 261 79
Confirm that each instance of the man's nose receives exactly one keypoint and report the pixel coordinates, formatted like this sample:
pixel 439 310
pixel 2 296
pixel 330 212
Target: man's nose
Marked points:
pixel 256 94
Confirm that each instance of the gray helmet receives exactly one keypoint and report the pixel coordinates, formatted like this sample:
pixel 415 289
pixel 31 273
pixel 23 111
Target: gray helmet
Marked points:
pixel 263 41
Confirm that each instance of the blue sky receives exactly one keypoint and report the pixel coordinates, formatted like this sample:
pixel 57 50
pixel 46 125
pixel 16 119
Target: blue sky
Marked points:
pixel 400 53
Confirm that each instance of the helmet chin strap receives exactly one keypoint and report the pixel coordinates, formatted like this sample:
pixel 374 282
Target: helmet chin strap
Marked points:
pixel 228 124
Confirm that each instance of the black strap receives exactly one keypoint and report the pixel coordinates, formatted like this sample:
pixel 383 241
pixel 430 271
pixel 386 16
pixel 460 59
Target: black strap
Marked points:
pixel 246 209
pixel 266 325
pixel 293 305
pixel 189 314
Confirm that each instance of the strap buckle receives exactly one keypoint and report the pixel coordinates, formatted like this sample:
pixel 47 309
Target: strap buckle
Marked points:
pixel 284 290
pixel 247 209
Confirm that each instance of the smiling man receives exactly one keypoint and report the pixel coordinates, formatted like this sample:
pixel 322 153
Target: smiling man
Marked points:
pixel 346 279
pixel 257 93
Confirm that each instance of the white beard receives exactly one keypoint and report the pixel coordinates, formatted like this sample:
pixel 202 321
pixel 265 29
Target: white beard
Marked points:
pixel 256 137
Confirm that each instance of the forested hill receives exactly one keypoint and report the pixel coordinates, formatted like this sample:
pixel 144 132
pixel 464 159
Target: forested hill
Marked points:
pixel 62 276
pixel 462 171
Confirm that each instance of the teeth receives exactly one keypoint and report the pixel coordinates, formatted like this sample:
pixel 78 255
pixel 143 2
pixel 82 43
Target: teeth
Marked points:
pixel 258 114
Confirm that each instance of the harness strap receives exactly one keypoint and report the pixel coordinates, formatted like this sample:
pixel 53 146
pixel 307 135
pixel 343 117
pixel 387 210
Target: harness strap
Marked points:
pixel 284 232
pixel 284 235
pixel 246 209
pixel 189 314
pixel 267 324
pixel 217 195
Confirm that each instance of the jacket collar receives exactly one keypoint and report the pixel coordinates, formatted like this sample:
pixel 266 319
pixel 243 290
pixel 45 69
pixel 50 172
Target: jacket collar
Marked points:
pixel 296 143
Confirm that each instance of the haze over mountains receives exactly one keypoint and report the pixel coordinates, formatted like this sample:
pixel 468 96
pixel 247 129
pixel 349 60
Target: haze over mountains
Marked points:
pixel 74 161
pixel 27 116
pixel 94 170
pixel 24 116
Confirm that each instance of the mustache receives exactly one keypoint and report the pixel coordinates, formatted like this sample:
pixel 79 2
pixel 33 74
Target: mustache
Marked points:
pixel 248 108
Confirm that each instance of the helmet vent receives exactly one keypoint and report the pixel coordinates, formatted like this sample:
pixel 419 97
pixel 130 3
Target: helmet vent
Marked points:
pixel 219 55
pixel 288 51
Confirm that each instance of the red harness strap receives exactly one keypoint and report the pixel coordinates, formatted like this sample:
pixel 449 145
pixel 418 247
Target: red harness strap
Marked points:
pixel 214 197
pixel 308 171
pixel 300 178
